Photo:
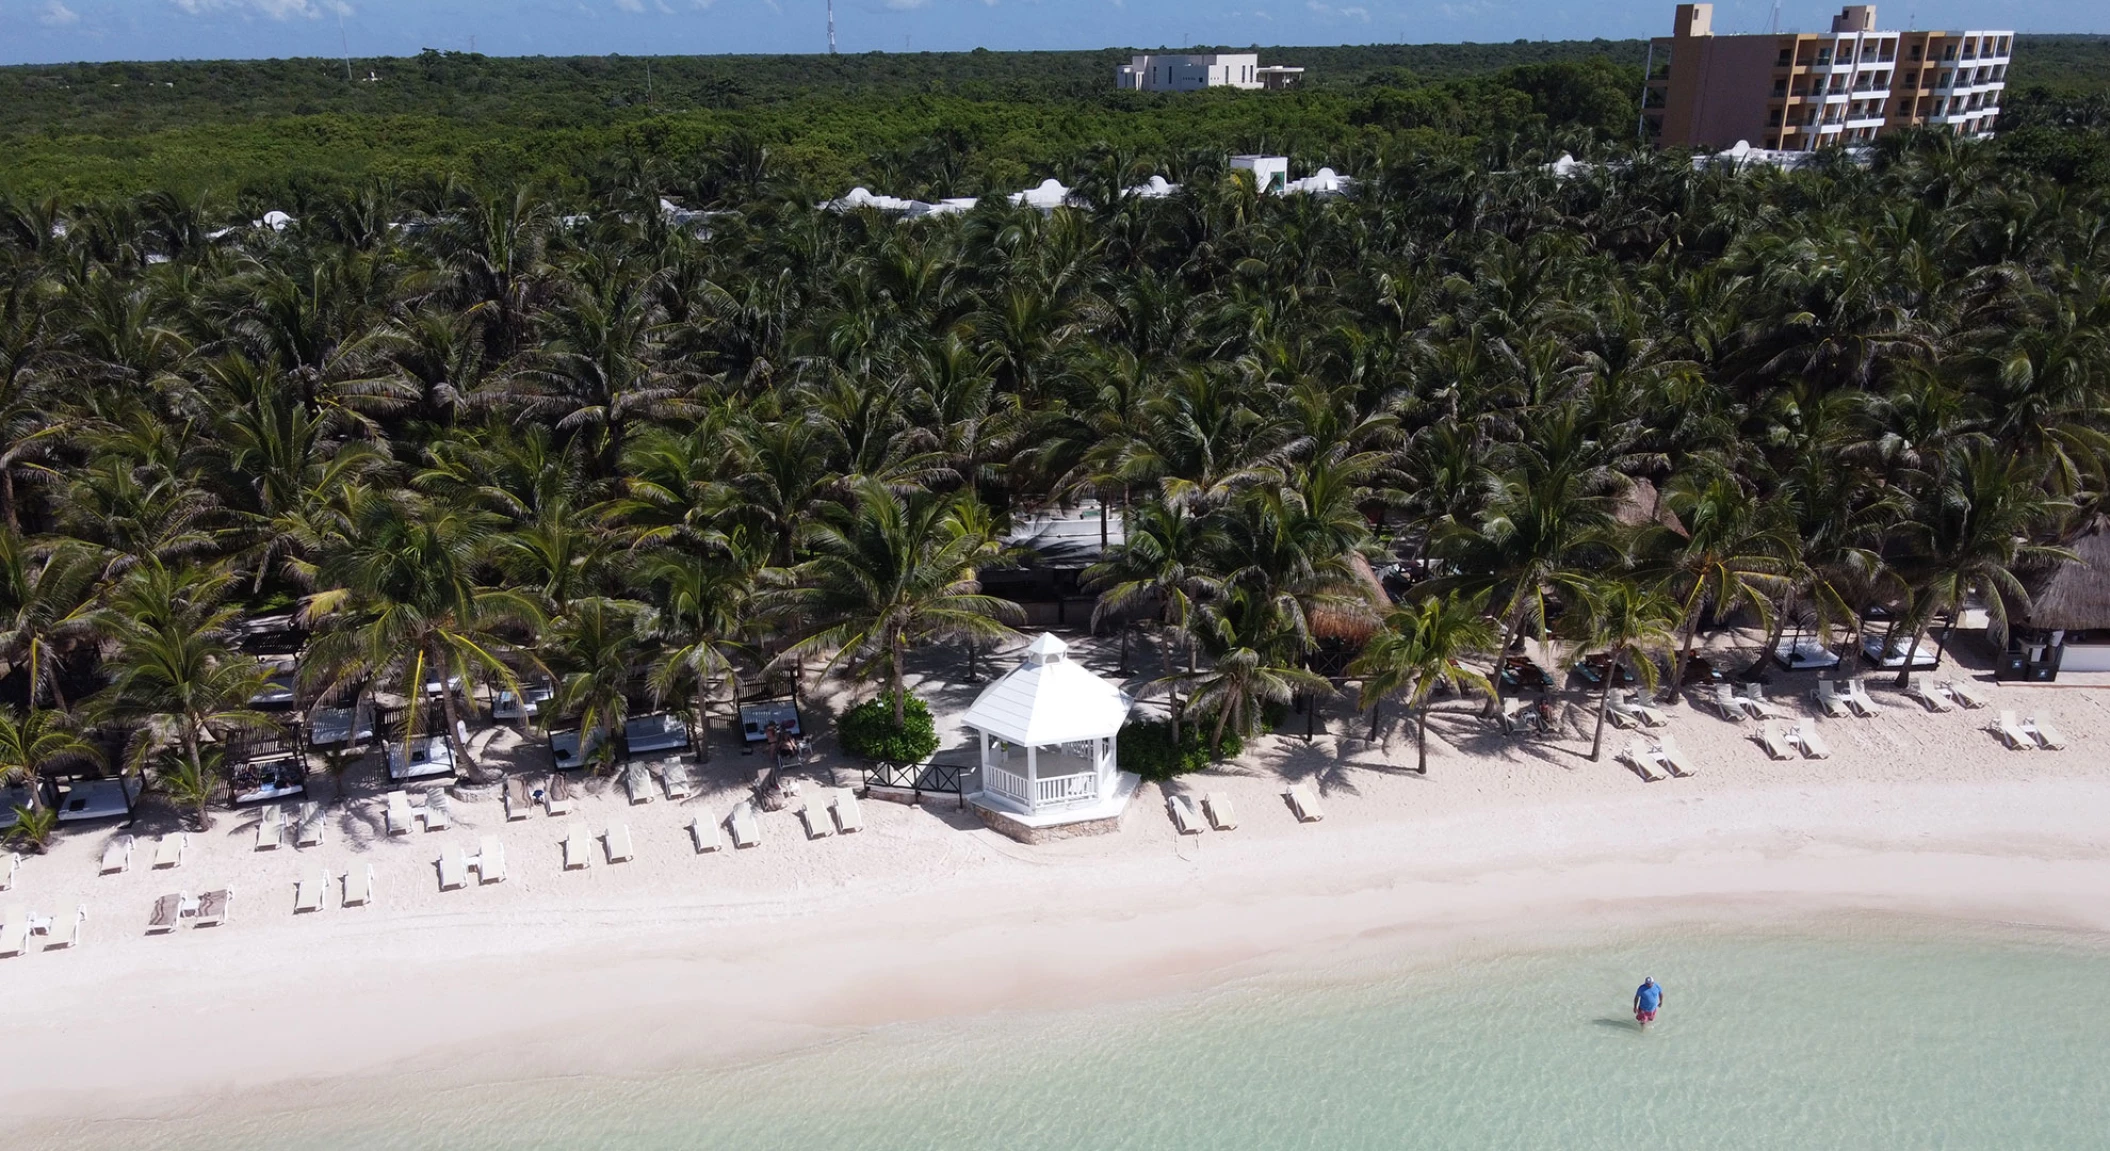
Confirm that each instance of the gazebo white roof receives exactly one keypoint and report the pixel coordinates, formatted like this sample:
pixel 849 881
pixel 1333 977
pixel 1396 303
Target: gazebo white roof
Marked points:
pixel 1049 700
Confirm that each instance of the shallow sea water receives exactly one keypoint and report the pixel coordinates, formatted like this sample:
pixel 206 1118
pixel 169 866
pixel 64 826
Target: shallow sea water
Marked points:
pixel 1861 1039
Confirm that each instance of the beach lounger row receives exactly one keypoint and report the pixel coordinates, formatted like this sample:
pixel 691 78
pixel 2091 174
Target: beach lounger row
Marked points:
pixel 19 925
pixel 489 862
pixel 2025 735
pixel 1844 698
pixel 314 884
pixel 824 817
pixel 1736 708
pixel 1215 807
pixel 1625 709
pixel 9 864
pixel 208 910
pixel 1801 739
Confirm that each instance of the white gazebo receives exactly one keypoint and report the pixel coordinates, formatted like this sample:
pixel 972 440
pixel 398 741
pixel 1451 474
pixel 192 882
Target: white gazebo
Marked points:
pixel 1046 732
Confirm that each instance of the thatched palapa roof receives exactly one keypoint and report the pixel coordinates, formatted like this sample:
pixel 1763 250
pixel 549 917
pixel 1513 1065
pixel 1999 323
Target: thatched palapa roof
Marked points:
pixel 1354 616
pixel 2075 595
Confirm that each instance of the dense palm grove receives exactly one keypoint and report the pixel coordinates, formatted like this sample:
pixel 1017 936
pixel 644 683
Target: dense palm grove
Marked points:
pixel 478 433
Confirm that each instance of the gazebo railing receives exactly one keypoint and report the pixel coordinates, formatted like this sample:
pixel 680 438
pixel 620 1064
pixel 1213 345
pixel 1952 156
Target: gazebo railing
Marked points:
pixel 1066 790
pixel 1009 784
pixel 944 778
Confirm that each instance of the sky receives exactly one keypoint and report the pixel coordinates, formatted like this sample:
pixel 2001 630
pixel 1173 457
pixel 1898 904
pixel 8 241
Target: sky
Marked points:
pixel 49 31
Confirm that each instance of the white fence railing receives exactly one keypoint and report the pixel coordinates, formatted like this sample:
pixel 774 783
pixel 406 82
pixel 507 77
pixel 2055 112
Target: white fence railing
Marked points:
pixel 1009 784
pixel 1067 790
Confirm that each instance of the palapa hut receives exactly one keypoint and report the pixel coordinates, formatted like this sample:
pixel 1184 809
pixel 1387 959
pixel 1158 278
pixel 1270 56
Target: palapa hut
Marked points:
pixel 2067 627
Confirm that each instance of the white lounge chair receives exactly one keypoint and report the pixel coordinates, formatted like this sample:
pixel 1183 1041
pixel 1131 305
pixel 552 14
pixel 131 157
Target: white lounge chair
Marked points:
pixel 1217 806
pixel 1304 803
pixel 557 799
pixel 1673 757
pixel 1857 697
pixel 1641 757
pixel 61 938
pixel 1812 744
pixel 2046 735
pixel 815 816
pixel 310 825
pixel 1829 699
pixel 117 855
pixel 9 864
pixel 1725 702
pixel 437 815
pixel 359 885
pixel 849 816
pixel 637 781
pixel 1629 704
pixel 167 910
pixel 213 908
pixel 1931 698
pixel 490 860
pixel 454 869
pixel 519 798
pixel 14 931
pixel 1184 815
pixel 675 776
pixel 1759 706
pixel 2012 733
pixel 617 840
pixel 271 828
pixel 307 894
pixel 578 847
pixel 706 834
pixel 745 825
pixel 1964 694
pixel 168 850
pixel 1776 743
pixel 401 817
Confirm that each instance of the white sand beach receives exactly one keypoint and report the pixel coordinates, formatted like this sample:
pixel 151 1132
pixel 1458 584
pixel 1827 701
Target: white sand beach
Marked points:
pixel 678 957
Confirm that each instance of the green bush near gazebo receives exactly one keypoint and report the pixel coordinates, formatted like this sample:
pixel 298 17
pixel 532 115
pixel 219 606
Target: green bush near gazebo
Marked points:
pixel 869 731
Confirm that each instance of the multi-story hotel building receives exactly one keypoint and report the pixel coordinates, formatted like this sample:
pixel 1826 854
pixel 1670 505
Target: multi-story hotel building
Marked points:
pixel 1796 91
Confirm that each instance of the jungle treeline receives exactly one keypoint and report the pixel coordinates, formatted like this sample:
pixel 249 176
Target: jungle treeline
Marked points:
pixel 520 430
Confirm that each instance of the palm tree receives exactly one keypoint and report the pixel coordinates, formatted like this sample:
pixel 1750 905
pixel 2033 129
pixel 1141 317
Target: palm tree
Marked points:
pixel 31 744
pixel 1165 561
pixel 177 675
pixel 47 602
pixel 1631 624
pixel 1729 550
pixel 898 572
pixel 1971 533
pixel 1245 674
pixel 1418 650
pixel 400 602
pixel 700 614
pixel 595 651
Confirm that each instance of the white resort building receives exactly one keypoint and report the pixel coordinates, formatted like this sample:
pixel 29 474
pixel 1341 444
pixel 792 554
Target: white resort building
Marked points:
pixel 1189 71
pixel 1046 734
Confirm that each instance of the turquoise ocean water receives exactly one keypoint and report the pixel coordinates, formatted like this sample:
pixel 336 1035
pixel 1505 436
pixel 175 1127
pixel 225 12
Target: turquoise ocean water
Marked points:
pixel 1884 1039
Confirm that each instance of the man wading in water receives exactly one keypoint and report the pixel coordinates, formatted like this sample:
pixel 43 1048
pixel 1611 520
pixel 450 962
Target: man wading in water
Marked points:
pixel 1648 999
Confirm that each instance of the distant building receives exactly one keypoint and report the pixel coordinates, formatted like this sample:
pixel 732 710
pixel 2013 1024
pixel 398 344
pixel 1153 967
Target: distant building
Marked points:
pixel 1798 91
pixel 1185 73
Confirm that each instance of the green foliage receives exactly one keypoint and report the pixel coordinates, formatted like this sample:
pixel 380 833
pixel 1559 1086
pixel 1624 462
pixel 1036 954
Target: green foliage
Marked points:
pixel 869 731
pixel 1146 748
pixel 34 826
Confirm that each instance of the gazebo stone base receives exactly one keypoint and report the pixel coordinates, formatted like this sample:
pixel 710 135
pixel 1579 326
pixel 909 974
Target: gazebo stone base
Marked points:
pixel 1101 818
pixel 1024 832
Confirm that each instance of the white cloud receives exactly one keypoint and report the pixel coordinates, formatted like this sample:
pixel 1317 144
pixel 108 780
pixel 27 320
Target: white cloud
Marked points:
pixel 276 9
pixel 906 5
pixel 1362 14
pixel 631 5
pixel 57 15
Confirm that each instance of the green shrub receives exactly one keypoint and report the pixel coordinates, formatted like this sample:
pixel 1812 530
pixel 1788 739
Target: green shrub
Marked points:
pixel 1146 748
pixel 868 730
